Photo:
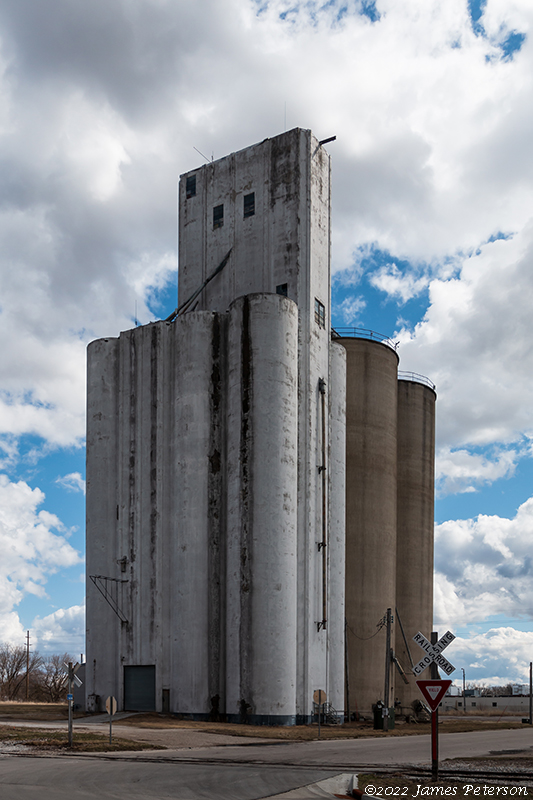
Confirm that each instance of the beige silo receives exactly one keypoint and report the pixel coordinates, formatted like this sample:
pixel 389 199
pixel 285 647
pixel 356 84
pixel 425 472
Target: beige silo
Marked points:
pixel 414 566
pixel 371 413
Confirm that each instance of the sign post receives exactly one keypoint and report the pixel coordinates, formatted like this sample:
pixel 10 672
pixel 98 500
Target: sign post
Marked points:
pixel 319 696
pixel 434 690
pixel 72 678
pixel 111 708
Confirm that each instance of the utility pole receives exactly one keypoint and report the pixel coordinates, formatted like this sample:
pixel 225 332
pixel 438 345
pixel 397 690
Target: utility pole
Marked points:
pixel 531 693
pixel 28 665
pixel 387 673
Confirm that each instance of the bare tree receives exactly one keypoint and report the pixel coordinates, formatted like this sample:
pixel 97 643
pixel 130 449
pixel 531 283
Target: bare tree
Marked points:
pixel 13 669
pixel 54 677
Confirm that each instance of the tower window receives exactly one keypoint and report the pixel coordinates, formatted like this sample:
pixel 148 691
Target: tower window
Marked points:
pixel 249 205
pixel 190 186
pixel 282 289
pixel 218 216
pixel 320 314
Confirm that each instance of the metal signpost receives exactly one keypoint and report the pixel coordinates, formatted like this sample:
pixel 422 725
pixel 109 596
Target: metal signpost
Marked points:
pixel 72 678
pixel 434 689
pixel 111 708
pixel 319 696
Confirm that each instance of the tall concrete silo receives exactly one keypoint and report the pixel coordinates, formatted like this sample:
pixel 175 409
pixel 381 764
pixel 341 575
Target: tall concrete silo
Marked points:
pixel 262 497
pixel 336 545
pixel 371 414
pixel 414 566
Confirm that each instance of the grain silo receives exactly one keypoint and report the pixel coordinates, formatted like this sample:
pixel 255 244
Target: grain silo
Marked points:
pixel 215 522
pixel 414 565
pixel 371 414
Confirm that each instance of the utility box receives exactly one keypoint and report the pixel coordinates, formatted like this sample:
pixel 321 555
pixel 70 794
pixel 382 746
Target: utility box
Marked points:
pixel 379 718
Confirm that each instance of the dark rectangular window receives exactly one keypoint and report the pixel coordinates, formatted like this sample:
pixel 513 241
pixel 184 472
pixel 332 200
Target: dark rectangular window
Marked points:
pixel 282 289
pixel 495 705
pixel 218 216
pixel 249 205
pixel 320 313
pixel 190 186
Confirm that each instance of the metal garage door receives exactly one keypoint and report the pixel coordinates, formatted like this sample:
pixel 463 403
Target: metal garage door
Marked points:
pixel 139 688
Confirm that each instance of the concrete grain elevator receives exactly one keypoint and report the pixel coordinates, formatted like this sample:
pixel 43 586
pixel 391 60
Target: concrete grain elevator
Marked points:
pixel 230 446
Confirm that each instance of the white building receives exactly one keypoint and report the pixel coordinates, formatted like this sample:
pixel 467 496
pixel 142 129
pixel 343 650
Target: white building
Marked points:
pixel 215 460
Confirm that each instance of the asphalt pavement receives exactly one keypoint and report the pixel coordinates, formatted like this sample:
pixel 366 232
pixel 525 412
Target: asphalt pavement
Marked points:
pixel 246 770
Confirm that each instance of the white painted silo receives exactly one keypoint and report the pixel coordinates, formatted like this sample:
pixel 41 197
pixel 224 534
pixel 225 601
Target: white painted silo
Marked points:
pixel 192 562
pixel 336 546
pixel 262 489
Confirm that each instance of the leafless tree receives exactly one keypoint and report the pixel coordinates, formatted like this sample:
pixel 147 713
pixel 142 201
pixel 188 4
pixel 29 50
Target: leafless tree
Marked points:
pixel 13 669
pixel 53 677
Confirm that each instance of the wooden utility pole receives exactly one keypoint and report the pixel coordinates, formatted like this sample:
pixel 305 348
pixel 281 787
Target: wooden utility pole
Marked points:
pixel 531 693
pixel 28 665
pixel 387 672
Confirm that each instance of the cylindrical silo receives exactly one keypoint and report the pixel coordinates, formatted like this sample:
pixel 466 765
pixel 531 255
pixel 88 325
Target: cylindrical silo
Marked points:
pixel 414 571
pixel 336 549
pixel 194 513
pixel 262 425
pixel 371 414
pixel 103 626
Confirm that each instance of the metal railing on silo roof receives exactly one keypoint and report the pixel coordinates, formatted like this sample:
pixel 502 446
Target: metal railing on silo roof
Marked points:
pixel 415 377
pixel 364 333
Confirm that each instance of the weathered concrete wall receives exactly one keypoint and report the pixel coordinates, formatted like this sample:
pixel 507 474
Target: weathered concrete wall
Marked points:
pixel 337 513
pixel 103 626
pixel 371 419
pixel 269 248
pixel 154 508
pixel 262 472
pixel 414 564
pixel 286 243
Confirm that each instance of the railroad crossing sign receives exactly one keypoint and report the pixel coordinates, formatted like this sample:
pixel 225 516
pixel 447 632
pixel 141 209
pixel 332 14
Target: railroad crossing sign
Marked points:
pixel 433 653
pixel 433 691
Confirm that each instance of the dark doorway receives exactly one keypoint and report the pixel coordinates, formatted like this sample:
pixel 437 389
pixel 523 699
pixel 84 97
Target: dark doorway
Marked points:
pixel 139 688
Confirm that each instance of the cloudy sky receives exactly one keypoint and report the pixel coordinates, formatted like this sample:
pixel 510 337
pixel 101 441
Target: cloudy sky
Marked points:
pixel 101 106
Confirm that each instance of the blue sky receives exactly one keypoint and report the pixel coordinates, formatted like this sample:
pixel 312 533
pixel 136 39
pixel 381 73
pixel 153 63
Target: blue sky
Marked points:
pixel 101 108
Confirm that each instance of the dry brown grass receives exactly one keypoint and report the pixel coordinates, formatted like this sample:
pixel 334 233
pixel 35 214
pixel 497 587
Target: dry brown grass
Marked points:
pixel 352 730
pixel 33 711
pixel 57 741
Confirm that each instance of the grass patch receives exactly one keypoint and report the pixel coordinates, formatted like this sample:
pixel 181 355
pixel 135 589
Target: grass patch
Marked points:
pixel 34 711
pixel 57 741
pixel 352 730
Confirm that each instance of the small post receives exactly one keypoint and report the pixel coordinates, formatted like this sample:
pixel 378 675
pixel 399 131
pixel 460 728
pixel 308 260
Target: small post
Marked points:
pixel 319 697
pixel 111 708
pixel 531 693
pixel 464 690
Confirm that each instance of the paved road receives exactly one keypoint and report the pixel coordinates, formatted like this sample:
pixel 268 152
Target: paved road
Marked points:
pixel 235 772
pixel 349 754
pixel 84 778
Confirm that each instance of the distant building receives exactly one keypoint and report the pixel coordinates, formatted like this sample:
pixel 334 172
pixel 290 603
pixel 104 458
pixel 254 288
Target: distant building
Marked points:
pixel 216 463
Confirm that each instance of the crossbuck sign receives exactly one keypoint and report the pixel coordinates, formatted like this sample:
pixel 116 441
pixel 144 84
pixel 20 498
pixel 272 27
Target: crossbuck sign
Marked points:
pixel 433 653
